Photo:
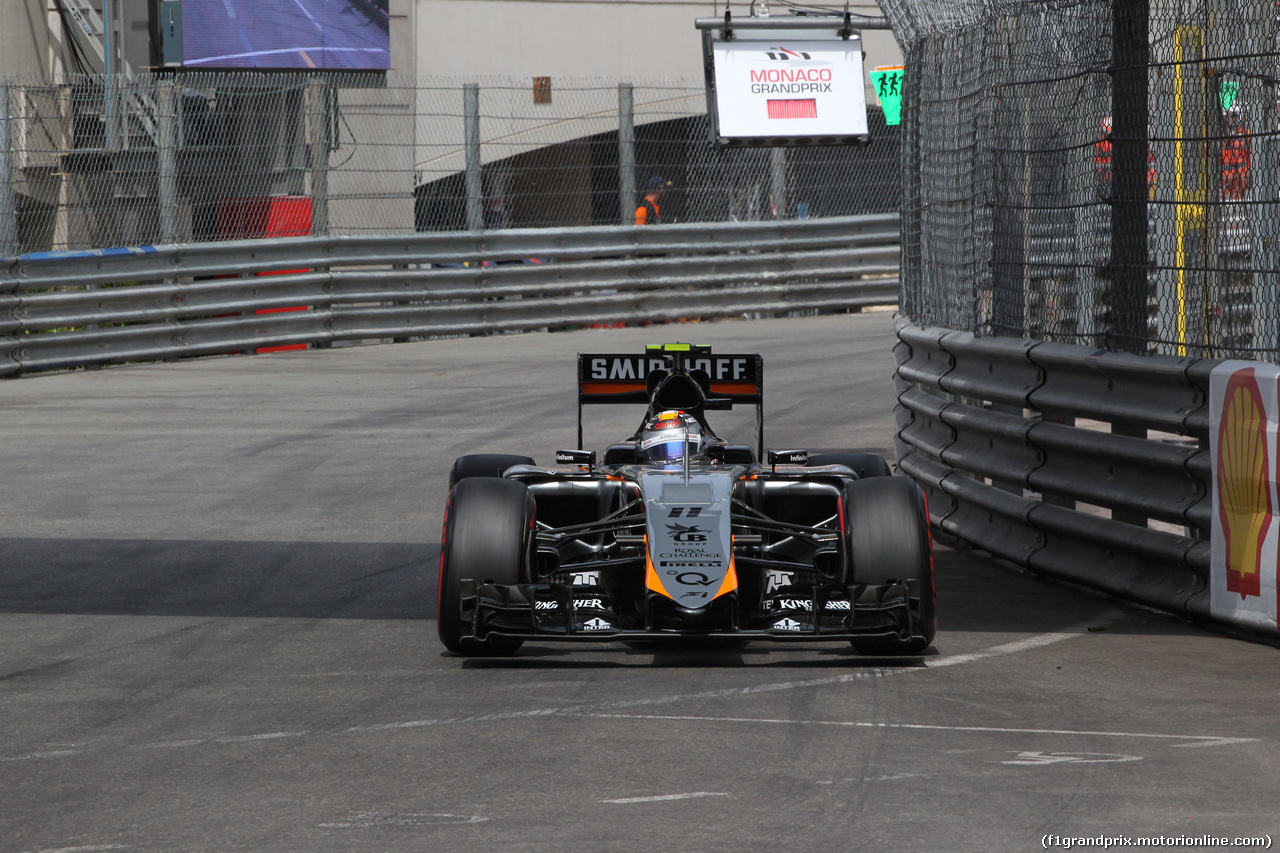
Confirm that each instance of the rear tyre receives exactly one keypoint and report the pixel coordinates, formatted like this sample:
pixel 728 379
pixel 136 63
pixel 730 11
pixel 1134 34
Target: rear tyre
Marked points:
pixel 483 465
pixel 889 541
pixel 863 464
pixel 487 537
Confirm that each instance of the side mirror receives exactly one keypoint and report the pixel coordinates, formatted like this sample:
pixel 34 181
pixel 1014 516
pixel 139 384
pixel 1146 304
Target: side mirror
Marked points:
pixel 787 457
pixel 576 457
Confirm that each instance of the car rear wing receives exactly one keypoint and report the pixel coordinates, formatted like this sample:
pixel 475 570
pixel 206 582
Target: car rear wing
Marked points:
pixel 723 380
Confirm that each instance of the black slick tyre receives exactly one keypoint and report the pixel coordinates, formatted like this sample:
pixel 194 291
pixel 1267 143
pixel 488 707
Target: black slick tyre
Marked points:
pixel 863 464
pixel 487 537
pixel 889 541
pixel 483 465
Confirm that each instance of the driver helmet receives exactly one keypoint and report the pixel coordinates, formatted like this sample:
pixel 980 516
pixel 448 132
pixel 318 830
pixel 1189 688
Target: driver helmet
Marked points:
pixel 664 436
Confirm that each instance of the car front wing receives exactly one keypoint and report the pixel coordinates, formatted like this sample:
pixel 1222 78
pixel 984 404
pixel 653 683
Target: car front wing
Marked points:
pixel 568 612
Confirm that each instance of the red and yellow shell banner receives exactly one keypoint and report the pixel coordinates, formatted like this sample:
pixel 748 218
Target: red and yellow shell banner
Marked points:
pixel 1244 411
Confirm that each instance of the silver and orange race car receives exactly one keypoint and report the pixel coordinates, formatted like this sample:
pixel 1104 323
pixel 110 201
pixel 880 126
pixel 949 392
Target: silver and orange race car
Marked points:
pixel 677 533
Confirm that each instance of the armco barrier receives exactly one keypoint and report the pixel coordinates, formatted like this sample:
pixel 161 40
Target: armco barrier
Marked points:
pixel 992 430
pixel 72 309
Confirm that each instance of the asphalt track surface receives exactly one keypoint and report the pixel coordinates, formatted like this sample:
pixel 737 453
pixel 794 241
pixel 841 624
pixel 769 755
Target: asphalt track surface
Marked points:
pixel 216 601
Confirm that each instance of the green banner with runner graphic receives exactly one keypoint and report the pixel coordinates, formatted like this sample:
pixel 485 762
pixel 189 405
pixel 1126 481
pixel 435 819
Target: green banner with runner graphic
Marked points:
pixel 887 81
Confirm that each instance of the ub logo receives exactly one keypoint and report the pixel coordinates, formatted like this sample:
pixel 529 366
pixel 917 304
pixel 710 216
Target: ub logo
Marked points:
pixel 680 533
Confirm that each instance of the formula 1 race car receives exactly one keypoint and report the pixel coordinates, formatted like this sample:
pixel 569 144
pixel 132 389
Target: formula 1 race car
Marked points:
pixel 677 533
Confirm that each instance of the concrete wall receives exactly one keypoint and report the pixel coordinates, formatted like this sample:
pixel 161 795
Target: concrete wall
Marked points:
pixel 582 45
pixel 24 38
pixel 625 39
pixel 34 45
pixel 570 41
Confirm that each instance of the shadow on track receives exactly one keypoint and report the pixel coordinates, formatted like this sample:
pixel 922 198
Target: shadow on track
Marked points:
pixel 327 580
pixel 758 655
pixel 397 580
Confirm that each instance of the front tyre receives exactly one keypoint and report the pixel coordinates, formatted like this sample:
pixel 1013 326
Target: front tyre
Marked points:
pixel 487 537
pixel 483 465
pixel 889 541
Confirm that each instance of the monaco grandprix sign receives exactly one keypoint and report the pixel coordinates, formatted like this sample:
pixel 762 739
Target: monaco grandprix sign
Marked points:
pixel 781 90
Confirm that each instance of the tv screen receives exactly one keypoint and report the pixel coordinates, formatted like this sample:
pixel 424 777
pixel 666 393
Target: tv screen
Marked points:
pixel 342 35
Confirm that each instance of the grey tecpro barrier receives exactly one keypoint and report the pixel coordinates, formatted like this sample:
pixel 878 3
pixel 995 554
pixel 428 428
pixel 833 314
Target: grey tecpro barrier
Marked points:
pixel 1021 446
pixel 72 309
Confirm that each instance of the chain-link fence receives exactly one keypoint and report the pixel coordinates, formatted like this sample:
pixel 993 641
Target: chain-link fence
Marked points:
pixel 1102 173
pixel 98 162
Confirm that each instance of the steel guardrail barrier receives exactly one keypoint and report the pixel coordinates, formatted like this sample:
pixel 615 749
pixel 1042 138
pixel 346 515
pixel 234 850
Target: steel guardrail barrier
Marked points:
pixel 76 309
pixel 1085 464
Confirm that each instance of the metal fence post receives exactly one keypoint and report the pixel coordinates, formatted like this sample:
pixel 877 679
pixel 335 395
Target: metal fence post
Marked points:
pixel 318 92
pixel 475 183
pixel 8 200
pixel 167 155
pixel 1164 216
pixel 1130 113
pixel 778 182
pixel 626 154
pixel 1130 57
pixel 914 302
pixel 1266 243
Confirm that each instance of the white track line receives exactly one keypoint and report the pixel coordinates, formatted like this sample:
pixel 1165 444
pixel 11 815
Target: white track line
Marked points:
pixel 602 708
pixel 94 847
pixel 664 797
pixel 1036 642
pixel 1196 740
